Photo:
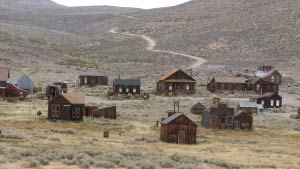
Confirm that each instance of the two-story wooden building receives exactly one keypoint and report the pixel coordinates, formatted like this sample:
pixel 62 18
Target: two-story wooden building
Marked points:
pixel 262 86
pixel 176 82
pixel 92 78
pixel 66 106
pixel 269 73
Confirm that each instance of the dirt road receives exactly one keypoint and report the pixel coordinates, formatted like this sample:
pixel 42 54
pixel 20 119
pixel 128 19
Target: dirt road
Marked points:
pixel 152 44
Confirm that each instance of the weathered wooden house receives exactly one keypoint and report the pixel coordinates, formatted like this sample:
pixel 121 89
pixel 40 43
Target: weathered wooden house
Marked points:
pixel 126 86
pixel 67 106
pixel 268 100
pixel 109 112
pixel 269 73
pixel 56 89
pixel 243 120
pixel 250 107
pixel 176 82
pixel 26 83
pixel 198 109
pixel 179 129
pixel 228 83
pixel 4 76
pixel 93 78
pixel 219 117
pixel 262 86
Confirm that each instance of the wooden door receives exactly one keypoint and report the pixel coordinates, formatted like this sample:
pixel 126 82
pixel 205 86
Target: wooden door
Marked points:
pixel 181 137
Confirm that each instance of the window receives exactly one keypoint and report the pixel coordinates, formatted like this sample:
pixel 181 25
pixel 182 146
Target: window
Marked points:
pixel 275 89
pixel 55 111
pixel 271 103
pixel 120 89
pixel 230 86
pixel 277 103
pixel 258 87
pixel 222 85
pixel 273 78
pixel 127 90
pixel 170 87
pixel 134 90
pixel 263 102
pixel 85 80
pixel 76 112
pixel 236 124
pixel 187 87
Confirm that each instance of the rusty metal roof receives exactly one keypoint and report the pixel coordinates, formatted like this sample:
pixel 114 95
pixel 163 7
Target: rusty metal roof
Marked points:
pixel 169 74
pixel 74 98
pixel 230 79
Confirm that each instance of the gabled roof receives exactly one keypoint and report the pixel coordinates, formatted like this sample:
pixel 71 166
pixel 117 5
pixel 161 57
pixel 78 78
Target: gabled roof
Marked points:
pixel 92 73
pixel 4 74
pixel 74 98
pixel 198 106
pixel 127 82
pixel 26 76
pixel 248 104
pixel 230 79
pixel 12 81
pixel 172 72
pixel 174 117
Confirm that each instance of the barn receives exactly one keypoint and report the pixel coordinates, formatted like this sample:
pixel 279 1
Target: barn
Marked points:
pixel 66 106
pixel 92 78
pixel 126 86
pixel 243 120
pixel 179 129
pixel 268 100
pixel 198 109
pixel 176 82
pixel 26 83
pixel 109 112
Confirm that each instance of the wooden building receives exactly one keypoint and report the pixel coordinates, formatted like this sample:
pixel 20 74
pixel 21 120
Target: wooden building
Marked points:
pixel 109 112
pixel 243 120
pixel 26 83
pixel 262 86
pixel 268 100
pixel 88 110
pixel 93 78
pixel 4 76
pixel 198 109
pixel 269 73
pixel 227 83
pixel 56 89
pixel 250 107
pixel 219 117
pixel 127 86
pixel 66 106
pixel 179 129
pixel 176 82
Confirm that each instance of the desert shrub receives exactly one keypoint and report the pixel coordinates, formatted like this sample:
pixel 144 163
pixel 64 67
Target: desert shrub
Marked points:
pixel 54 139
pixel 33 163
pixel 67 131
pixel 166 163
pixel 146 164
pixel 11 134
pixel 175 157
pixel 43 161
pixel 2 160
pixel 27 153
pixel 103 164
pixel 187 166
pixel 68 162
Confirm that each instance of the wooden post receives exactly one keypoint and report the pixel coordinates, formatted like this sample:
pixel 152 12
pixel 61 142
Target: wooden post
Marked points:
pixel 299 111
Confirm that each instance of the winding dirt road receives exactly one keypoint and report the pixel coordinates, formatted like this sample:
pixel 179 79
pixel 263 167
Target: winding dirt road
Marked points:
pixel 152 44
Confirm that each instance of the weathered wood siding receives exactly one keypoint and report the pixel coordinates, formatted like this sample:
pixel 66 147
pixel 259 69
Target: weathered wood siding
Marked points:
pixel 93 80
pixel 106 112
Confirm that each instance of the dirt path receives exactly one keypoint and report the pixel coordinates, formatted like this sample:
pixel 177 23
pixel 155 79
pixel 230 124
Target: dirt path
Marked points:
pixel 126 16
pixel 152 44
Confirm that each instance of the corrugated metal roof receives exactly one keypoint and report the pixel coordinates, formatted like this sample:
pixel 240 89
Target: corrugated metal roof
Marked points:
pixel 248 104
pixel 127 82
pixel 12 81
pixel 263 74
pixel 230 79
pixel 92 73
pixel 74 98
pixel 171 118
pixel 198 106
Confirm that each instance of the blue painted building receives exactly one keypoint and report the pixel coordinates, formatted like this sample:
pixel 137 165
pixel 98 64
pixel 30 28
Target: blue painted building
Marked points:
pixel 26 83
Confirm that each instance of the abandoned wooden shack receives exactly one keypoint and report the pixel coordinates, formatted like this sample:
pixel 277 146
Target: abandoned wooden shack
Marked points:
pixel 250 107
pixel 127 86
pixel 269 73
pixel 109 112
pixel 4 76
pixel 92 78
pixel 262 86
pixel 88 110
pixel 55 89
pixel 176 82
pixel 66 106
pixel 243 120
pixel 179 129
pixel 220 116
pixel 198 109
pixel 268 100
pixel 26 83
pixel 227 83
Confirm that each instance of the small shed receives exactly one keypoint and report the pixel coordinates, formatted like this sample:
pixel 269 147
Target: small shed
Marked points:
pixel 88 110
pixel 109 112
pixel 126 86
pixel 198 109
pixel 268 100
pixel 249 107
pixel 67 106
pixel 26 83
pixel 93 78
pixel 179 129
pixel 243 120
